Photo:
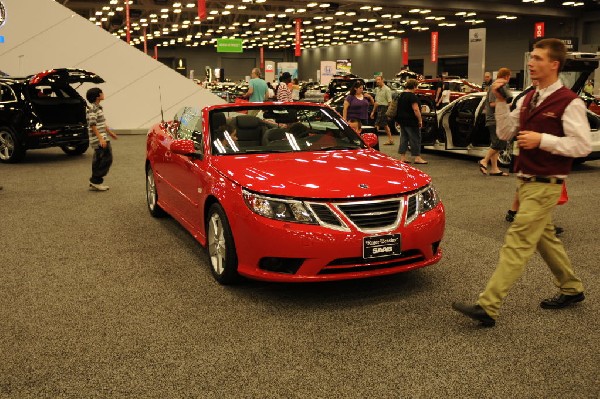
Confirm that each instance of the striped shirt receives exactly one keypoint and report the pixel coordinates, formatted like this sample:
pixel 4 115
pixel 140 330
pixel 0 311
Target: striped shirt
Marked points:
pixel 95 117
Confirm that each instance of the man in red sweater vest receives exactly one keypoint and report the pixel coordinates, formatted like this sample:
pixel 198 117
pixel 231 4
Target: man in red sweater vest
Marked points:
pixel 552 128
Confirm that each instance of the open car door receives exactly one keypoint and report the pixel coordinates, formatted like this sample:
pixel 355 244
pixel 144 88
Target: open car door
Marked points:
pixel 64 76
pixel 463 121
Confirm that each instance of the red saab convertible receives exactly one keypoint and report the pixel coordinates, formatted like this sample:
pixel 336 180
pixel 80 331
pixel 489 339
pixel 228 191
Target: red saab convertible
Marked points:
pixel 289 192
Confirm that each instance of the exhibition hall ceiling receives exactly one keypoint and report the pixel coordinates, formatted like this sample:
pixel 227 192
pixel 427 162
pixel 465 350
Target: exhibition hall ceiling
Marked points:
pixel 270 23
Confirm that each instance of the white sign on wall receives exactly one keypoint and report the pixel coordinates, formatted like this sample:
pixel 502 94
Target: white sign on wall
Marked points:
pixel 328 69
pixel 476 55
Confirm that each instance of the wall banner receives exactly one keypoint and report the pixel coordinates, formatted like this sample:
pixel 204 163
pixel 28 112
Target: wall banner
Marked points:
pixel 298 49
pixel 539 30
pixel 434 46
pixel 405 52
pixel 202 10
pixel 262 57
pixel 476 67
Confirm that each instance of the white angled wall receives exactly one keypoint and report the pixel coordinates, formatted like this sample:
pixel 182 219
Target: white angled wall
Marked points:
pixel 43 34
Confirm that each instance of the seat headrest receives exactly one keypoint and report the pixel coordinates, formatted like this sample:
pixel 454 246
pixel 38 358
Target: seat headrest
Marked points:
pixel 273 134
pixel 247 122
pixel 217 119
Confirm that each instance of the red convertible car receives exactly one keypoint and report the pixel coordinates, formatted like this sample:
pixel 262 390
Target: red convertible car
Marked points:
pixel 289 192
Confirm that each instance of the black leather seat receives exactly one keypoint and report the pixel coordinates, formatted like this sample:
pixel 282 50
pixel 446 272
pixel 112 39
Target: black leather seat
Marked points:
pixel 250 130
pixel 217 119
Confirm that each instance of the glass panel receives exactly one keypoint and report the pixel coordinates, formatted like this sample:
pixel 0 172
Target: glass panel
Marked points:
pixel 279 128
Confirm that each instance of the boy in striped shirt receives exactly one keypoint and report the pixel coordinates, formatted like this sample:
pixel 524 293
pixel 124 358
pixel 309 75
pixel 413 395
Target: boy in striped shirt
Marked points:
pixel 99 140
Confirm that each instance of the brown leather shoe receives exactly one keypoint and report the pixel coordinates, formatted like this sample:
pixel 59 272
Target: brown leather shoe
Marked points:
pixel 475 312
pixel 561 301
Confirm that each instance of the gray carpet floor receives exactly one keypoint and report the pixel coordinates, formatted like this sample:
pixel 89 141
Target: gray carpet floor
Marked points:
pixel 100 300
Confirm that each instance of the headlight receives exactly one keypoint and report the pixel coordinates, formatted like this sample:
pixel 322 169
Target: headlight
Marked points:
pixel 423 201
pixel 428 199
pixel 277 208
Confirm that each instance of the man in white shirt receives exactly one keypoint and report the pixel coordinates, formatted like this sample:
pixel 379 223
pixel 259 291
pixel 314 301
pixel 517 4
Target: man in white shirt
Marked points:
pixel 552 128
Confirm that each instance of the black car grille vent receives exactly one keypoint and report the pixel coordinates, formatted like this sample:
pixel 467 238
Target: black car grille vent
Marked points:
pixel 325 214
pixel 374 214
pixel 411 209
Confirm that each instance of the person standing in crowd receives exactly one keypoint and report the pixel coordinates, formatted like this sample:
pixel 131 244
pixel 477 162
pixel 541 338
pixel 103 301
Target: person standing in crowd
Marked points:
pixel 270 91
pixel 355 125
pixel 295 89
pixel 356 104
pixel 383 97
pixel 408 114
pixel 284 94
pixel 589 87
pixel 442 93
pixel 545 160
pixel 257 88
pixel 487 81
pixel 99 141
pixel 496 145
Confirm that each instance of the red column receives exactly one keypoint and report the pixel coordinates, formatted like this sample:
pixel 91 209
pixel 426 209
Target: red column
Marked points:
pixel 155 52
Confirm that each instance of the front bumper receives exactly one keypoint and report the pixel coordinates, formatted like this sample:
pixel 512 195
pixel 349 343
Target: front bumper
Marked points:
pixel 318 253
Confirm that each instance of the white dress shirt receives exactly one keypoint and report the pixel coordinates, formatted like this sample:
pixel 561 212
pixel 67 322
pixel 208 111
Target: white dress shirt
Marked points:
pixel 577 140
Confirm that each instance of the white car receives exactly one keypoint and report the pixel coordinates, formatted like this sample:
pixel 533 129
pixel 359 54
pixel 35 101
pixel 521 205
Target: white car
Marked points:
pixel 460 128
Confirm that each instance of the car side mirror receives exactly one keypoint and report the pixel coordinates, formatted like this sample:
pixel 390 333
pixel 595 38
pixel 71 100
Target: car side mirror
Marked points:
pixel 370 139
pixel 183 147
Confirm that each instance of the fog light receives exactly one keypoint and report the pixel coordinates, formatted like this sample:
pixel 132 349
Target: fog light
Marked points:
pixel 281 265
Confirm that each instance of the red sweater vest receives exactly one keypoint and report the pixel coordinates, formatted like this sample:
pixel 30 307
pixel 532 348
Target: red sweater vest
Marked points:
pixel 545 118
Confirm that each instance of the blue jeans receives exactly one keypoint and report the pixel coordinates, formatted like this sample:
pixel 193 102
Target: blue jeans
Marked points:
pixel 412 135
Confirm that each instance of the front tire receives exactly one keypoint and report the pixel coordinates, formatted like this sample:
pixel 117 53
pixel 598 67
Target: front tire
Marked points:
pixel 75 149
pixel 152 195
pixel 11 151
pixel 221 248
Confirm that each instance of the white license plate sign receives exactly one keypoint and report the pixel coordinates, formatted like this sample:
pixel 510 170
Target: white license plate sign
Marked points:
pixel 381 246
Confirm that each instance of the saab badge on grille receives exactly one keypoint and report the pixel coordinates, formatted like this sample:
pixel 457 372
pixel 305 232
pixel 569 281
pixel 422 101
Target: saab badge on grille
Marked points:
pixel 363 185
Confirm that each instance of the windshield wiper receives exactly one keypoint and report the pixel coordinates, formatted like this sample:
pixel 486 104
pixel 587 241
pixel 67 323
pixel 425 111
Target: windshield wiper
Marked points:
pixel 263 151
pixel 339 147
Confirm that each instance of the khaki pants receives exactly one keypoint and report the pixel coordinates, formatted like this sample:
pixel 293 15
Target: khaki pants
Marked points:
pixel 532 229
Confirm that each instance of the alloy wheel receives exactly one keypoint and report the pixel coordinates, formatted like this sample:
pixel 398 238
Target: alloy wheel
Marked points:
pixel 150 190
pixel 7 145
pixel 216 244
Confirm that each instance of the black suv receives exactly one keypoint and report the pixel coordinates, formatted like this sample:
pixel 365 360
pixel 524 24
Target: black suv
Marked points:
pixel 341 84
pixel 42 111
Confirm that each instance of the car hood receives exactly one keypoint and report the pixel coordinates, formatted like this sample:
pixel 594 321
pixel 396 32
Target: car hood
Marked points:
pixel 327 174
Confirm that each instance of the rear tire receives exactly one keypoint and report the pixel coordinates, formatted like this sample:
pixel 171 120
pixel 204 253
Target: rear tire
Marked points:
pixel 220 245
pixel 75 149
pixel 11 151
pixel 152 196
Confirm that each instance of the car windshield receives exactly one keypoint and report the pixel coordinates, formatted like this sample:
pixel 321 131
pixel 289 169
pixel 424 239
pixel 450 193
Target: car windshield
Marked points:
pixel 279 128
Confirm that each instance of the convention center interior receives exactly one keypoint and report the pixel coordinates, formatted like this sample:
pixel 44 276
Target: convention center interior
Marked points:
pixel 299 199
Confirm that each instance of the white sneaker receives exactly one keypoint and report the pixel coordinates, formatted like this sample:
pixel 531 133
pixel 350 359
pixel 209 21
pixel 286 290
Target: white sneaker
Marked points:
pixel 98 187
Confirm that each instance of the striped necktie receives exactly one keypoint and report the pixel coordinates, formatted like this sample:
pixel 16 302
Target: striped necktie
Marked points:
pixel 534 101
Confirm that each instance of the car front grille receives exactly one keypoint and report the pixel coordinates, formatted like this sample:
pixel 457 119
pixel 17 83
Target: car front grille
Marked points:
pixel 373 214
